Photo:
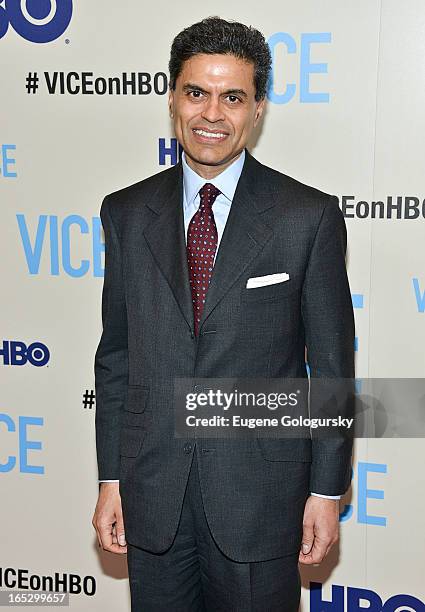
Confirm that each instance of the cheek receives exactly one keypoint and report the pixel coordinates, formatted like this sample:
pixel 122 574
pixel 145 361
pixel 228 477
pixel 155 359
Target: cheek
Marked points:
pixel 187 119
pixel 177 128
pixel 243 124
pixel 180 125
pixel 242 132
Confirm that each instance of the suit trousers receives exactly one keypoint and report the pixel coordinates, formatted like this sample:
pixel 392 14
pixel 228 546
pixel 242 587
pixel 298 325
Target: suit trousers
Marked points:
pixel 193 575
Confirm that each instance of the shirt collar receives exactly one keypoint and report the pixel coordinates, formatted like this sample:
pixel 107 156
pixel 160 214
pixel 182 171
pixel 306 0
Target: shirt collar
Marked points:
pixel 226 181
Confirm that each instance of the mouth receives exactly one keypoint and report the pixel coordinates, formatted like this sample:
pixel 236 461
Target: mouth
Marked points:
pixel 212 136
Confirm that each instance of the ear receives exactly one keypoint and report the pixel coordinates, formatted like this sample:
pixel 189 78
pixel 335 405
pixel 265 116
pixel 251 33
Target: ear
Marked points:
pixel 259 110
pixel 171 103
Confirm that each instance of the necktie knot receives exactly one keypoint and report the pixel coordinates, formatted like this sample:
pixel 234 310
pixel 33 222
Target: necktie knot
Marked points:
pixel 208 193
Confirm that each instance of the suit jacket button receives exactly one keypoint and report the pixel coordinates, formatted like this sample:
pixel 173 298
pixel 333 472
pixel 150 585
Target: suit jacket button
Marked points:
pixel 187 448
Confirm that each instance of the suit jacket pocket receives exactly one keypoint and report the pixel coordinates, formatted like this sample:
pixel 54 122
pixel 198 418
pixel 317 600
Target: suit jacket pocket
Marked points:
pixel 285 449
pixel 137 399
pixel 275 291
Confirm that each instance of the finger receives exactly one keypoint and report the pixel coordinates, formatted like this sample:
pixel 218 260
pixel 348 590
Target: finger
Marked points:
pixel 120 530
pixel 99 541
pixel 327 551
pixel 306 559
pixel 330 547
pixel 108 544
pixel 319 549
pixel 316 554
pixel 117 549
pixel 106 538
pixel 94 523
pixel 307 539
pixel 114 534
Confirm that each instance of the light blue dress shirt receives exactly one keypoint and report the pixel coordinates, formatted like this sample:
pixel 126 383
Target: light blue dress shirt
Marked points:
pixel 226 182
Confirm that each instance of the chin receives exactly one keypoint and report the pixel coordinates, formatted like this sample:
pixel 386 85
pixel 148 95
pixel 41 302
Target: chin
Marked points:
pixel 207 156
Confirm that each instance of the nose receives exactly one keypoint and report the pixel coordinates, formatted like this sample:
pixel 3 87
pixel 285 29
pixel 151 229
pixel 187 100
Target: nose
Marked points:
pixel 212 111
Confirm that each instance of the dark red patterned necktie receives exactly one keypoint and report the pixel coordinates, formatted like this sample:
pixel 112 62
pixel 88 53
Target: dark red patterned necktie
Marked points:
pixel 201 247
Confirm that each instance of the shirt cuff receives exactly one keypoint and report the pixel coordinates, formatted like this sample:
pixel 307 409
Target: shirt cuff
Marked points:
pixel 326 496
pixel 108 480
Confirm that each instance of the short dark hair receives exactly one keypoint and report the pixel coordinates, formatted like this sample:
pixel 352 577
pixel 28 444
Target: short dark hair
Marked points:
pixel 215 35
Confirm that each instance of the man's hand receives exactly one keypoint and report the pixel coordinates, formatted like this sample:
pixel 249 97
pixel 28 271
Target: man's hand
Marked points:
pixel 320 529
pixel 108 519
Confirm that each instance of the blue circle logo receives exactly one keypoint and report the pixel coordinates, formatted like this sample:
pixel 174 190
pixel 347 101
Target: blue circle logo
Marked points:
pixel 38 21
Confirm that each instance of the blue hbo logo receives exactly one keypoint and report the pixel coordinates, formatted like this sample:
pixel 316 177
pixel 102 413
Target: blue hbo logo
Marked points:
pixel 17 353
pixel 38 21
pixel 353 599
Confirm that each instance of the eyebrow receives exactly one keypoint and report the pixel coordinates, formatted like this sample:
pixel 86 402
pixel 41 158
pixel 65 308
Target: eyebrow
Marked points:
pixel 236 92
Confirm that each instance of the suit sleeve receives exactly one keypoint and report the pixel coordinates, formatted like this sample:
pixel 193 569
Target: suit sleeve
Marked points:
pixel 111 358
pixel 328 319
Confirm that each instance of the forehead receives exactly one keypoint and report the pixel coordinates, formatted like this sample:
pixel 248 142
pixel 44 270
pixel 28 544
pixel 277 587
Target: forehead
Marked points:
pixel 218 72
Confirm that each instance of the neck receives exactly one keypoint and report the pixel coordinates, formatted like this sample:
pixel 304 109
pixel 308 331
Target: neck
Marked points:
pixel 209 172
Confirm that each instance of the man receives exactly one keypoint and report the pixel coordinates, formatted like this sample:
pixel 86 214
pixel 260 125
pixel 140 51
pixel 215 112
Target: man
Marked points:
pixel 217 524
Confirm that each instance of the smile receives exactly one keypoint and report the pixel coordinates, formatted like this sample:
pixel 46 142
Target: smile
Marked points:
pixel 211 135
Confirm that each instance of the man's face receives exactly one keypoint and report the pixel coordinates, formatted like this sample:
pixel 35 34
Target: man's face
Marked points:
pixel 214 110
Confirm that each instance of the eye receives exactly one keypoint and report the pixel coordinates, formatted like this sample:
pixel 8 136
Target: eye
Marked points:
pixel 195 93
pixel 233 99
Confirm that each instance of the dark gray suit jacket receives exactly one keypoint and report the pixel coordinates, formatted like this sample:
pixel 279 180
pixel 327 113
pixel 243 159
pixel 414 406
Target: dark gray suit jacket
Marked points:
pixel 254 490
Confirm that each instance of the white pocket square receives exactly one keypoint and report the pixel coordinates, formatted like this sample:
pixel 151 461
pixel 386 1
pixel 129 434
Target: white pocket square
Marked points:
pixel 269 279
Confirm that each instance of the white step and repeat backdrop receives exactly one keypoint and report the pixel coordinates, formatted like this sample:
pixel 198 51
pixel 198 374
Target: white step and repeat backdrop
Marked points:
pixel 345 114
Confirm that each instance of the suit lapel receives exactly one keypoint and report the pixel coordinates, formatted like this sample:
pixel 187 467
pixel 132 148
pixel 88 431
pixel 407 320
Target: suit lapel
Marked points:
pixel 166 239
pixel 244 237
